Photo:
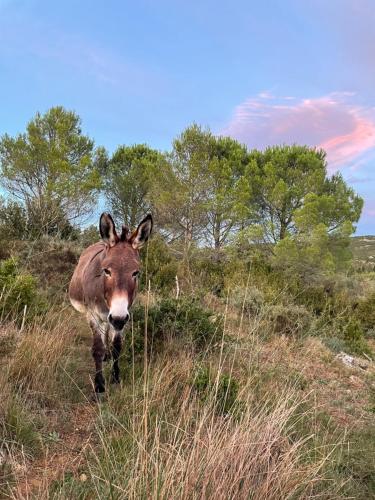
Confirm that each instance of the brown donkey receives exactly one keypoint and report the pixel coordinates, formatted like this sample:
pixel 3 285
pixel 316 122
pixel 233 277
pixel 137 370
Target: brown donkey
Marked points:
pixel 103 287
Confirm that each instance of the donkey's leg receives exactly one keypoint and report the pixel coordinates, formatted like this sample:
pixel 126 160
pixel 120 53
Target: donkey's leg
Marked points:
pixel 98 353
pixel 107 356
pixel 116 351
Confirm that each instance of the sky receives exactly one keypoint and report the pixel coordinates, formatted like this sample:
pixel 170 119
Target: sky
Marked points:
pixel 265 73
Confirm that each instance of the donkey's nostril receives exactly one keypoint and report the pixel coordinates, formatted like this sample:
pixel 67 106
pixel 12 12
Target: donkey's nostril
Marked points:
pixel 118 323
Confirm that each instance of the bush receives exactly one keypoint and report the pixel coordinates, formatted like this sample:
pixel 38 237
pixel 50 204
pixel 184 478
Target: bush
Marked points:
pixel 354 337
pixel 289 320
pixel 209 271
pixel 89 236
pixel 13 221
pixel 335 344
pixel 52 262
pixel 17 292
pixel 175 318
pixel 315 298
pixel 250 299
pixel 222 388
pixel 160 265
pixel 365 312
pixel 343 333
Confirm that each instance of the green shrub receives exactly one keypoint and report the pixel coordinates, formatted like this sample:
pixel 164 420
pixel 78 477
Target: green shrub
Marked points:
pixel 17 291
pixel 13 221
pixel 365 312
pixel 354 337
pixel 289 320
pixel 209 271
pixel 159 266
pixel 223 389
pixel 89 235
pixel 315 298
pixel 343 333
pixel 335 344
pixel 249 299
pixel 183 318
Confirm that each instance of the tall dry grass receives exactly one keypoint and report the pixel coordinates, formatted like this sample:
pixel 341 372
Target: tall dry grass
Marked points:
pixel 38 379
pixel 160 440
pixel 39 363
pixel 158 436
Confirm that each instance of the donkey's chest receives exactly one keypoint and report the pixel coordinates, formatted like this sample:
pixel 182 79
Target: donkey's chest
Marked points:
pixel 99 323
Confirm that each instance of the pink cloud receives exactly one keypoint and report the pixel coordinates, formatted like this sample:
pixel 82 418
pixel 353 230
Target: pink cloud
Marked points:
pixel 330 122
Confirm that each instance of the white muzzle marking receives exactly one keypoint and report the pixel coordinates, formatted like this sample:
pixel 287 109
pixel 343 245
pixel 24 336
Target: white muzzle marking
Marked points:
pixel 119 307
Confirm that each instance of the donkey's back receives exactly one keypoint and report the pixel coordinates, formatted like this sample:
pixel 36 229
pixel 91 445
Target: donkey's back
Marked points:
pixel 84 274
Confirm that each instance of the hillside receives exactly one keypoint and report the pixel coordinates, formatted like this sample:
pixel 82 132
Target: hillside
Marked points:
pixel 238 395
pixel 363 248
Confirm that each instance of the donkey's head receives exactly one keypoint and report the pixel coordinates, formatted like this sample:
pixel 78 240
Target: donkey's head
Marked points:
pixel 120 266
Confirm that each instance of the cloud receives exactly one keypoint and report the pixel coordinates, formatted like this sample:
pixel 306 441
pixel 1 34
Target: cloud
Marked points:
pixel 344 130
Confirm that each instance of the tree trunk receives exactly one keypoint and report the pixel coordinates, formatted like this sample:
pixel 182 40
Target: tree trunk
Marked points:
pixel 283 232
pixel 217 227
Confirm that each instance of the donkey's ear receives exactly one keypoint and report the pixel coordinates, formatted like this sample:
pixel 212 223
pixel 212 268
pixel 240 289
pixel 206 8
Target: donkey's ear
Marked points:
pixel 107 230
pixel 141 234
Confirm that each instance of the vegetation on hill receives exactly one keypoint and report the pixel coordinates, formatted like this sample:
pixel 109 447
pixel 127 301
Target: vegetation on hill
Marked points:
pixel 363 248
pixel 258 380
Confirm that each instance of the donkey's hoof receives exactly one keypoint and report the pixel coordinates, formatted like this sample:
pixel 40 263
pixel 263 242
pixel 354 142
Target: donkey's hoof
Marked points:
pixel 98 397
pixel 99 383
pixel 115 379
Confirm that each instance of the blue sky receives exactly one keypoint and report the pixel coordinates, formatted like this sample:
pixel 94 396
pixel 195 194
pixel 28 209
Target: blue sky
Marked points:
pixel 273 72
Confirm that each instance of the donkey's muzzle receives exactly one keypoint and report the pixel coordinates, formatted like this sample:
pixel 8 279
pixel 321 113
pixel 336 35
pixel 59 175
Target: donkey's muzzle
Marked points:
pixel 118 322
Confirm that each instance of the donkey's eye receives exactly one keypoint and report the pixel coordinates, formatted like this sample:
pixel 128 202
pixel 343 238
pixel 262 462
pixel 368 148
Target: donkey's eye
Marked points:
pixel 107 272
pixel 135 274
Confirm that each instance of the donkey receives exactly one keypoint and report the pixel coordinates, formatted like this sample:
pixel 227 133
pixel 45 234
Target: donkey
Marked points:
pixel 104 286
